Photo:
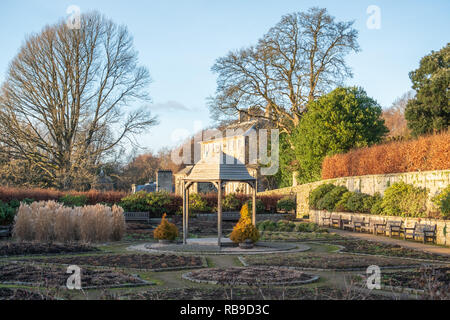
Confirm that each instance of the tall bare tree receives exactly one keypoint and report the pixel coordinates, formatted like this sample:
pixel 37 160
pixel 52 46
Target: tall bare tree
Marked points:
pixel 66 100
pixel 295 62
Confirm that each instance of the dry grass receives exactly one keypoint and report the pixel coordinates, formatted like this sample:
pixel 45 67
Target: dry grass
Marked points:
pixel 50 221
pixel 423 154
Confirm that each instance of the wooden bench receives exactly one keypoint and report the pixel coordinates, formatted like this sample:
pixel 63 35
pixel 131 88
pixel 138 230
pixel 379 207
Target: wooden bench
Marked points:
pixel 137 216
pixel 328 221
pixel 395 227
pixel 424 231
pixel 336 221
pixel 358 224
pixel 378 225
pixel 347 223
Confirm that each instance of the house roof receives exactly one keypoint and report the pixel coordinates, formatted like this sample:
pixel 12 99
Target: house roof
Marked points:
pixel 240 129
pixel 215 170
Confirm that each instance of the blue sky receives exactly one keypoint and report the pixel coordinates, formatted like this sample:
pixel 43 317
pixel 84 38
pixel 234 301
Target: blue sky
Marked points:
pixel 179 41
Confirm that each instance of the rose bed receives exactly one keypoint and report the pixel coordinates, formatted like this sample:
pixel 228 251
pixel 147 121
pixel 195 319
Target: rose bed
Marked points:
pixel 251 276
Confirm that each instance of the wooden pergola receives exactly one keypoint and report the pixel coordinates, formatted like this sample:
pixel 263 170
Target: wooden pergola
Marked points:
pixel 218 174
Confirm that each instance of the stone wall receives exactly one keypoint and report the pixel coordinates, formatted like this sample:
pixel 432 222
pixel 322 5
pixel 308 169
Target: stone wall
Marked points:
pixel 434 181
pixel 442 229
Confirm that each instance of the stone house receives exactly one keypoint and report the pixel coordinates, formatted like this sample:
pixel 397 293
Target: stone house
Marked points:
pixel 234 143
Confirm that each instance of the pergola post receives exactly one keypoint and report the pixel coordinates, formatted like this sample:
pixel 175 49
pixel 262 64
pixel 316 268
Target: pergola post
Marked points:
pixel 254 204
pixel 187 209
pixel 219 213
pixel 184 212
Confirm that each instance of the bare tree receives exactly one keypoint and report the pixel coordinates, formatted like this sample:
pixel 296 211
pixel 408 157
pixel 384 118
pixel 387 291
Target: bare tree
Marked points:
pixel 295 62
pixel 66 100
pixel 394 117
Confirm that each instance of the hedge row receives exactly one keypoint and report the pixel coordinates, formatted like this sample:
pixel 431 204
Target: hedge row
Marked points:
pixel 92 197
pixel 400 199
pixel 423 154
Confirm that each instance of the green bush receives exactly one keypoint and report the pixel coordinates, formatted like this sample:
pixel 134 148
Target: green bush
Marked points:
pixel 154 202
pixel 231 202
pixel 197 203
pixel 70 200
pixel 286 204
pixel 329 200
pixel 318 193
pixel 442 201
pixel 289 226
pixel 267 225
pixel 341 205
pixel 260 208
pixel 7 213
pixel 406 200
pixel 358 201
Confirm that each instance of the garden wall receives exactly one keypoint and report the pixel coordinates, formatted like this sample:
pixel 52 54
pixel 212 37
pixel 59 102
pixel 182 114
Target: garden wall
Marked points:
pixel 443 226
pixel 434 181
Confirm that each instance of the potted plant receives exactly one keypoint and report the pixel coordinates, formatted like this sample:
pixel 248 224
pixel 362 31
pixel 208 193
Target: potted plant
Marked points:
pixel 166 232
pixel 244 232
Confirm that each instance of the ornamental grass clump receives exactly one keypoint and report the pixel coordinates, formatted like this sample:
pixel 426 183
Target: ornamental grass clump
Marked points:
pixel 244 229
pixel 166 230
pixel 48 221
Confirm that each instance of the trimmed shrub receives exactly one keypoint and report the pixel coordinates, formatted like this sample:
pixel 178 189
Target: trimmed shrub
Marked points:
pixel 406 200
pixel 425 153
pixel 329 200
pixel 442 201
pixel 197 203
pixel 341 205
pixel 289 226
pixel 244 229
pixel 318 193
pixel 166 230
pixel 286 204
pixel 270 202
pixel 73 200
pixel 260 208
pixel 51 221
pixel 231 202
pixel 156 203
pixel 357 202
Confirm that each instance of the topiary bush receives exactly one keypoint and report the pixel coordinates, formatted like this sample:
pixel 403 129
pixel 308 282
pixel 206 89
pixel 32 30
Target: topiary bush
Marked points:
pixel 286 204
pixel 318 193
pixel 166 230
pixel 244 229
pixel 442 201
pixel 329 200
pixel 401 199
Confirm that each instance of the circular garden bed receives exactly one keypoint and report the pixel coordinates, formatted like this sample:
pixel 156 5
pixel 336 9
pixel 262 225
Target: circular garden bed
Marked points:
pixel 251 276
pixel 27 248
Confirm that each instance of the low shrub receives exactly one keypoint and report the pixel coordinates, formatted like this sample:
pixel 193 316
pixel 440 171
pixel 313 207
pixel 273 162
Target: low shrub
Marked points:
pixel 198 204
pixel 231 202
pixel 401 199
pixel 357 202
pixel 48 221
pixel 329 200
pixel 166 230
pixel 244 229
pixel 286 204
pixel 289 226
pixel 70 200
pixel 318 193
pixel 341 205
pixel 260 207
pixel 442 201
pixel 156 203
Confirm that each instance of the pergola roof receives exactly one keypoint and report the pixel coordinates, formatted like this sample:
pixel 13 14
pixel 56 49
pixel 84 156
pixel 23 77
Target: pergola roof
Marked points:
pixel 211 171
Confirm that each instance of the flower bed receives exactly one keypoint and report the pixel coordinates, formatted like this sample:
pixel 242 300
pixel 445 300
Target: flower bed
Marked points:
pixel 29 248
pixel 250 276
pixel 334 261
pixel 298 236
pixel 378 248
pixel 21 294
pixel 56 276
pixel 264 293
pixel 427 279
pixel 135 261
